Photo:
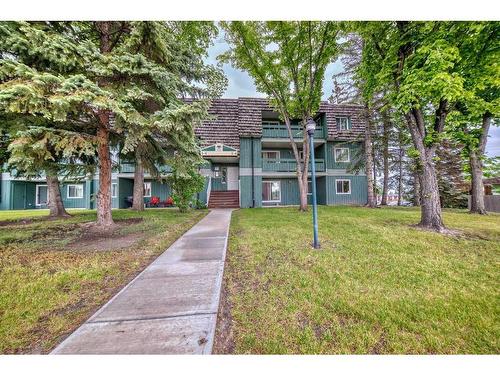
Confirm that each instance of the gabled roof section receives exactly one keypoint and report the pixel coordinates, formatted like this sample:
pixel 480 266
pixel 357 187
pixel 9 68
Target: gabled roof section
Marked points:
pixel 242 117
pixel 223 127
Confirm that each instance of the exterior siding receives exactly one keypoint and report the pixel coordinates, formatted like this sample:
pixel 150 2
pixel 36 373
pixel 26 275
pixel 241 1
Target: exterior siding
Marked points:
pixel 74 202
pixel 354 149
pixel 246 198
pixel 125 189
pixel 358 196
pixel 5 201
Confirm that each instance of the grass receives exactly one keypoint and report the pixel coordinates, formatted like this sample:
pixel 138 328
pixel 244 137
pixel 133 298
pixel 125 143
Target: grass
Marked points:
pixel 378 285
pixel 53 275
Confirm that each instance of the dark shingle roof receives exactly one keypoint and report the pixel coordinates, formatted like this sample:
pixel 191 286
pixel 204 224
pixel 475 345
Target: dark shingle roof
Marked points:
pixel 223 127
pixel 242 117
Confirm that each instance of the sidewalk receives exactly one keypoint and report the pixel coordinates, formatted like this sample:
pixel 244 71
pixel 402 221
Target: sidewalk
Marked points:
pixel 169 308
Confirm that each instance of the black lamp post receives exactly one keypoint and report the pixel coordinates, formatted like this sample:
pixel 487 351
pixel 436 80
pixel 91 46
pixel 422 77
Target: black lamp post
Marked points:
pixel 311 127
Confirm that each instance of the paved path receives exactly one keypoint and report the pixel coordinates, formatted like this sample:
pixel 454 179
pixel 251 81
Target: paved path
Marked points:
pixel 171 307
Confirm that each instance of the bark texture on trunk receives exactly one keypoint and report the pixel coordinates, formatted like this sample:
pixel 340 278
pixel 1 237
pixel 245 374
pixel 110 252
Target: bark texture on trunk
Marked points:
pixel 430 209
pixel 400 176
pixel 416 189
pixel 372 200
pixel 55 203
pixel 104 217
pixel 138 200
pixel 301 164
pixel 476 168
pixel 385 155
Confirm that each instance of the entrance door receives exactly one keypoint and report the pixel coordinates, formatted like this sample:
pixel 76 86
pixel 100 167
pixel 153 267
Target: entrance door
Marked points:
pixel 41 195
pixel 219 179
pixel 232 178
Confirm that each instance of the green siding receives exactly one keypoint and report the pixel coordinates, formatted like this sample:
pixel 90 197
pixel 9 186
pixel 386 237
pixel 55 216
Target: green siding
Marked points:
pixel 5 202
pixel 359 193
pixel 246 199
pixel 125 189
pixel 73 202
pixel 354 149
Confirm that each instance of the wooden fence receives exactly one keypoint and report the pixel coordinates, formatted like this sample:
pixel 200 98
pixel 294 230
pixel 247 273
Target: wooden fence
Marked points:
pixel 491 203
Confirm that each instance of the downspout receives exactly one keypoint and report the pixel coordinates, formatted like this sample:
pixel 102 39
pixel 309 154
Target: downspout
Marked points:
pixel 253 176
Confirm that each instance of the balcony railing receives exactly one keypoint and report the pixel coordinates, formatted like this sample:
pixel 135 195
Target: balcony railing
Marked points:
pixel 130 168
pixel 280 131
pixel 288 165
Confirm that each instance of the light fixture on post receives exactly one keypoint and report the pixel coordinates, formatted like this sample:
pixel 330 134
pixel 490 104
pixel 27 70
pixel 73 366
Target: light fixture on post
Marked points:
pixel 311 127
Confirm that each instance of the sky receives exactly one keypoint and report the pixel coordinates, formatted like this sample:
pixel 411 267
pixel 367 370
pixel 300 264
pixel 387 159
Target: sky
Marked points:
pixel 241 84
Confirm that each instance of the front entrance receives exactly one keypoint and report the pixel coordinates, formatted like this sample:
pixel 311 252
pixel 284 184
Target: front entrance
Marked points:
pixel 225 177
pixel 41 195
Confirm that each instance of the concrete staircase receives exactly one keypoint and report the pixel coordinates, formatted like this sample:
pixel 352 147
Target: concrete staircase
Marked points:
pixel 224 199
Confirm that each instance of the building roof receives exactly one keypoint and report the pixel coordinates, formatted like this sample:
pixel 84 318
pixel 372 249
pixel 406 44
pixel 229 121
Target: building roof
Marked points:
pixel 242 117
pixel 492 181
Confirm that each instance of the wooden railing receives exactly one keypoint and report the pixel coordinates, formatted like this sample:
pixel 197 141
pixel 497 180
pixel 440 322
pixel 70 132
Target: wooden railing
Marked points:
pixel 280 131
pixel 130 168
pixel 288 165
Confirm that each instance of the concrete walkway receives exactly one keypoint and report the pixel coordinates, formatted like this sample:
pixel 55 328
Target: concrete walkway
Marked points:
pixel 169 308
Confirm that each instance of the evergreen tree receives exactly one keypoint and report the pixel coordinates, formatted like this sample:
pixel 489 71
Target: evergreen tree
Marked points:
pixel 109 79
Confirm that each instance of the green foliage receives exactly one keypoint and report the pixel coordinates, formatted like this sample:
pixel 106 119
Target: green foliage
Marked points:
pixel 287 60
pixel 185 182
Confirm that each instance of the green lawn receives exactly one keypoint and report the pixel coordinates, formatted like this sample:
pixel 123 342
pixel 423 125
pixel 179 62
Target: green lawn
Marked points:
pixel 55 274
pixel 377 286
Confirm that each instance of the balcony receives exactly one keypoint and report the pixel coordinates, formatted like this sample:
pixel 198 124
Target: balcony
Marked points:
pixel 280 131
pixel 288 165
pixel 130 168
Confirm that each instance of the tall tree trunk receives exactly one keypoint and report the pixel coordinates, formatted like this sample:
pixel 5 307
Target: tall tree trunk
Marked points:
pixel 301 165
pixel 55 203
pixel 385 155
pixel 138 200
pixel 104 218
pixel 372 200
pixel 416 189
pixel 476 168
pixel 400 177
pixel 430 209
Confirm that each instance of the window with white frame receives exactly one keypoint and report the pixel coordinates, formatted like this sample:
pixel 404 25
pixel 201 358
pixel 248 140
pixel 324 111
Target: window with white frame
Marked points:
pixel 271 191
pixel 114 190
pixel 342 154
pixel 343 186
pixel 42 195
pixel 343 123
pixel 270 154
pixel 147 189
pixel 75 191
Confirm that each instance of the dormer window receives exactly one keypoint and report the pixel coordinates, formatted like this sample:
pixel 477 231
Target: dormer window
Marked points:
pixel 343 123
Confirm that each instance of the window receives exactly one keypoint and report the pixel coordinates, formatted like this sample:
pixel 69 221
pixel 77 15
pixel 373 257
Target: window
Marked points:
pixel 75 191
pixel 270 154
pixel 343 186
pixel 342 155
pixel 343 123
pixel 147 189
pixel 271 191
pixel 219 147
pixel 114 190
pixel 41 195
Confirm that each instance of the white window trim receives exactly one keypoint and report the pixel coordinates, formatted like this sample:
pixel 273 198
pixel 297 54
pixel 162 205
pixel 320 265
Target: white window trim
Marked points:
pixel 342 179
pixel 273 151
pixel 273 201
pixel 67 193
pixel 150 189
pixel 37 202
pixel 340 125
pixel 116 192
pixel 342 148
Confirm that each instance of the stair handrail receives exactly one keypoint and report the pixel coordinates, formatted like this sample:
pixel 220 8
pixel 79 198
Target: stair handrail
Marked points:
pixel 209 189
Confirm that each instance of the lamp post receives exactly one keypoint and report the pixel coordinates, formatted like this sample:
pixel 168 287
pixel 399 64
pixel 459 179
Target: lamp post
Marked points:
pixel 311 127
